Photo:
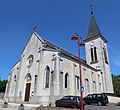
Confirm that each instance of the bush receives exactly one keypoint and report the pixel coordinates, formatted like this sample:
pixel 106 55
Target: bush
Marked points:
pixel 3 85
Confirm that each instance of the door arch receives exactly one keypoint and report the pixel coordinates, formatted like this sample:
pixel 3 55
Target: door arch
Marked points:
pixel 28 86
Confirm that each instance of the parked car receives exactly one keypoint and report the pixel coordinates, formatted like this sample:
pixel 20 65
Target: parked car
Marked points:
pixel 100 99
pixel 69 101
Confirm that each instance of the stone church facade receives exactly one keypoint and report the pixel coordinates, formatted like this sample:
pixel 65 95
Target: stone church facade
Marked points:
pixel 46 72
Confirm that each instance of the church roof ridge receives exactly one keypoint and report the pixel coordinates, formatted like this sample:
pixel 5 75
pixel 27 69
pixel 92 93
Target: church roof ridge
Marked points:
pixel 63 51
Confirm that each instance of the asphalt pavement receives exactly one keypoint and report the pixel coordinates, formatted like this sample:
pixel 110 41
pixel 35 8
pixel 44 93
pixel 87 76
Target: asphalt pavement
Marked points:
pixel 107 107
pixel 87 107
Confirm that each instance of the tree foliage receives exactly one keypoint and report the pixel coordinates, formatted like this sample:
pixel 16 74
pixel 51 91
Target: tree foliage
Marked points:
pixel 116 83
pixel 3 85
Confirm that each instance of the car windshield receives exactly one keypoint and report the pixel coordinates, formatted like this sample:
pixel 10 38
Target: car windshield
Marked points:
pixel 72 98
pixel 89 96
pixel 65 98
pixel 68 98
pixel 99 95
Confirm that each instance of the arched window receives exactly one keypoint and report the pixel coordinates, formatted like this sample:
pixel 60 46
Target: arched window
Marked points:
pixel 92 58
pixel 47 76
pixel 77 82
pixel 28 77
pixel 15 78
pixel 95 53
pixel 66 80
pixel 30 60
pixel 94 86
pixel 13 84
pixel 87 86
pixel 105 55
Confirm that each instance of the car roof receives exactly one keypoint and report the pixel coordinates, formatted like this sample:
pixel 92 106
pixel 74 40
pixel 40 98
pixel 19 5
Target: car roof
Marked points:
pixel 71 96
pixel 96 94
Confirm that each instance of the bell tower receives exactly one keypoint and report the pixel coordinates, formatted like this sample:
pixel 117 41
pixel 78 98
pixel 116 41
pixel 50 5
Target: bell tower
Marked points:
pixel 97 53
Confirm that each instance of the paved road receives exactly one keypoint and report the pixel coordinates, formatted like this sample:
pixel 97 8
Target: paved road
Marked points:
pixel 108 107
pixel 88 107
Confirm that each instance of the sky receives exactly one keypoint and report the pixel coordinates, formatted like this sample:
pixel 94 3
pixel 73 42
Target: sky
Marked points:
pixel 56 21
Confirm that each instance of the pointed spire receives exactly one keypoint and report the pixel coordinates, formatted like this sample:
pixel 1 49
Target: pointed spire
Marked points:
pixel 93 27
pixel 93 30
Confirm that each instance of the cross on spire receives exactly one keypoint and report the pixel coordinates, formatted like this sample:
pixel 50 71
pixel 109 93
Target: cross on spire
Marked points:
pixel 34 29
pixel 91 7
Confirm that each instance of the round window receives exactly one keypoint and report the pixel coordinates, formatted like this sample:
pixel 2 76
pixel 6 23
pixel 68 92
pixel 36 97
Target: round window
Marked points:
pixel 30 60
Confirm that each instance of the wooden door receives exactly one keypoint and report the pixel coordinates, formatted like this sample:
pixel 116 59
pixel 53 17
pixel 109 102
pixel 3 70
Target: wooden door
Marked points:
pixel 27 92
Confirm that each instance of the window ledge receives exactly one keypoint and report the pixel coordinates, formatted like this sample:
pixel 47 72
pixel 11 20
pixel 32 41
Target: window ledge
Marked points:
pixel 94 62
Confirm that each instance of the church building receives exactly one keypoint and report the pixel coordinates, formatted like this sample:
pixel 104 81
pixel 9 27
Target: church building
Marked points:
pixel 46 72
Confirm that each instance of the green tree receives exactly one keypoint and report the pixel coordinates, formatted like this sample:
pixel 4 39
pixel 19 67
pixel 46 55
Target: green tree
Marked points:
pixel 116 83
pixel 3 85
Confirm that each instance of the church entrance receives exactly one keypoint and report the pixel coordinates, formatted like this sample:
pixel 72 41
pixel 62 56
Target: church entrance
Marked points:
pixel 28 86
pixel 27 92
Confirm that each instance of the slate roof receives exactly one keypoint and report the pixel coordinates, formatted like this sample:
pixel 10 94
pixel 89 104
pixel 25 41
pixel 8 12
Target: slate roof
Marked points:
pixel 94 31
pixel 63 52
pixel 58 49
pixel 93 28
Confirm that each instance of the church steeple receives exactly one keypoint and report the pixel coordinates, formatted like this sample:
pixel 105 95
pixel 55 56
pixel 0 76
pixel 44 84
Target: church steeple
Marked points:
pixel 93 29
pixel 97 53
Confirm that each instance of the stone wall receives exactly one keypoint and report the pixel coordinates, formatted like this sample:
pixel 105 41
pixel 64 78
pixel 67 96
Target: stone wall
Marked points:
pixel 1 95
pixel 113 99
